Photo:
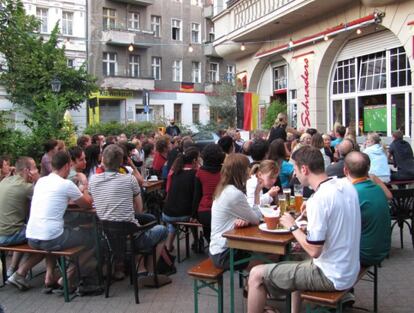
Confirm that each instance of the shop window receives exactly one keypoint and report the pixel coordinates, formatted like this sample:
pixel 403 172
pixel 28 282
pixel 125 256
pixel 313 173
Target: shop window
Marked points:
pixel 372 71
pixel 344 78
pixel 280 77
pixel 400 68
pixel 196 113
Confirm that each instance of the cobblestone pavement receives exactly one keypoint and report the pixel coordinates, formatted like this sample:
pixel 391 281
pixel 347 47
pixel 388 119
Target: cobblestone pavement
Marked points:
pixel 396 292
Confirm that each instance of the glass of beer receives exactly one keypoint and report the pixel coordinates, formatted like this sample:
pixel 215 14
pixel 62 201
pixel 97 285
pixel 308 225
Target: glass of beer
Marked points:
pixel 282 204
pixel 298 197
pixel 286 192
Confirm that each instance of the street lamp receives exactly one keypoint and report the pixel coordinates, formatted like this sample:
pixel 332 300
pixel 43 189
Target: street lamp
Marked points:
pixel 56 84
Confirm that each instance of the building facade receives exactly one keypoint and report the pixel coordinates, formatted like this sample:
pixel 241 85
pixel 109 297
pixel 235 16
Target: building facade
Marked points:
pixel 345 61
pixel 157 50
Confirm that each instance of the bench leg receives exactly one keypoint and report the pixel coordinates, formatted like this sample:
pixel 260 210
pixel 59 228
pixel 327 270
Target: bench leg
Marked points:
pixel 178 231
pixel 134 276
pixel 195 288
pixel 220 295
pixel 98 249
pixel 65 278
pixel 4 266
pixel 187 242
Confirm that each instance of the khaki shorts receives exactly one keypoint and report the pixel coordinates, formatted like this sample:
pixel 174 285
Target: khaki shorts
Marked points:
pixel 285 277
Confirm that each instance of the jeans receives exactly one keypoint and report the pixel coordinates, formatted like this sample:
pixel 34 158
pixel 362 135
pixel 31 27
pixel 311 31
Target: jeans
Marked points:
pixel 15 239
pixel 173 219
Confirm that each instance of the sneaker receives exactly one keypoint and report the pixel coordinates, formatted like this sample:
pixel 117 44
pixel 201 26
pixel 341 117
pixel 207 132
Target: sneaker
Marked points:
pixel 10 271
pixel 18 281
pixel 348 300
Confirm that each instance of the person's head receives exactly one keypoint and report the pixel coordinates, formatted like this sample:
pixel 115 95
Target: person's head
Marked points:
pixel 61 145
pixel 212 155
pixel 162 145
pixel 312 131
pixel 345 147
pixel 356 165
pixel 326 141
pixel 112 157
pixel 148 149
pixel 61 163
pixel 246 147
pixel 372 139
pixel 281 120
pixel 51 146
pixel 237 135
pixel 92 156
pixel 277 151
pixel 78 158
pixel 186 158
pixel 84 141
pixel 397 135
pixel 307 161
pixel 98 139
pixel 172 121
pixel 227 144
pixel 317 141
pixel 5 165
pixel 266 172
pixel 305 139
pixel 340 131
pixel 26 168
pixel 122 138
pixel 259 149
pixel 185 142
pixel 111 139
pixel 235 171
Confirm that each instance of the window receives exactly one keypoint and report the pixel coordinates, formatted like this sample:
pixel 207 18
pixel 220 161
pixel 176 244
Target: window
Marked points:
pixel 177 112
pixel 109 64
pixel 372 71
pixel 176 30
pixel 67 23
pixel 42 14
pixel 196 72
pixel 400 68
pixel 133 20
pixel 156 68
pixel 211 35
pixel 156 25
pixel 177 70
pixel 196 113
pixel 213 72
pixel 344 78
pixel 279 77
pixel 134 66
pixel 195 33
pixel 70 63
pixel 109 18
pixel 230 74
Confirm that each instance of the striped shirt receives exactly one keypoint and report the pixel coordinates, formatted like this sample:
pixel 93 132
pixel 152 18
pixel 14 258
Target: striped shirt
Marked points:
pixel 113 196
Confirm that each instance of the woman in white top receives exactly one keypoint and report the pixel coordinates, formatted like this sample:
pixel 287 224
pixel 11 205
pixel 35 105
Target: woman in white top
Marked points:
pixel 317 142
pixel 265 174
pixel 230 208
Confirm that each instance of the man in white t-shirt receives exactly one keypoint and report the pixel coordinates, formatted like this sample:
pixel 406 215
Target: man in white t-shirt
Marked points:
pixel 45 229
pixel 332 239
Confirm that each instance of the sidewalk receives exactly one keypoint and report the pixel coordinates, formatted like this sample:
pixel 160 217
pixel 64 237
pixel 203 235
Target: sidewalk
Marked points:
pixel 396 292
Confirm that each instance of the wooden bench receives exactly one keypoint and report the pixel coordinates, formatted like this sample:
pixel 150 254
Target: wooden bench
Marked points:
pixel 205 274
pixel 184 228
pixel 399 183
pixel 25 248
pixel 324 301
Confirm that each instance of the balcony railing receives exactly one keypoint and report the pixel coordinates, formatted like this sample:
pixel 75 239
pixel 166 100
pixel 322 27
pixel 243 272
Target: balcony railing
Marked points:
pixel 208 11
pixel 127 78
pixel 120 35
pixel 209 50
pixel 137 2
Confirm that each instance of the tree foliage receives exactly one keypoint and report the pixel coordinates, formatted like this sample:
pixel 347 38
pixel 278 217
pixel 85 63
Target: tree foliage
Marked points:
pixel 222 102
pixel 273 110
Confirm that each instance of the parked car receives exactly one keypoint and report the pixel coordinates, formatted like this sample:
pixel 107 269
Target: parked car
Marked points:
pixel 204 138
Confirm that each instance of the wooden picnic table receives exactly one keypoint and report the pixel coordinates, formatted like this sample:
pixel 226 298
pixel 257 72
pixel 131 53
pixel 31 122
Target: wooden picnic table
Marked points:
pixel 152 185
pixel 254 240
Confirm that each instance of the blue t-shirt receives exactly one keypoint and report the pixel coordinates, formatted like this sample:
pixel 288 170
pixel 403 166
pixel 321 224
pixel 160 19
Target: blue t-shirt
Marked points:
pixel 335 142
pixel 286 171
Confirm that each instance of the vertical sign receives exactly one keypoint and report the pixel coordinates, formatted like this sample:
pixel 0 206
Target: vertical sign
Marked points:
pixel 146 102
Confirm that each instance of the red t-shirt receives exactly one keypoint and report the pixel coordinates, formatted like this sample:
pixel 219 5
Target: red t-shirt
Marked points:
pixel 159 161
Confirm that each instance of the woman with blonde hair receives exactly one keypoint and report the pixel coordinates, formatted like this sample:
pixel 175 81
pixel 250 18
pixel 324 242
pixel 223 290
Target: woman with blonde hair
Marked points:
pixel 278 129
pixel 230 208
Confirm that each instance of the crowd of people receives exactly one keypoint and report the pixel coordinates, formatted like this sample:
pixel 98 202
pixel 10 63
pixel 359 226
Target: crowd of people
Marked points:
pixel 221 187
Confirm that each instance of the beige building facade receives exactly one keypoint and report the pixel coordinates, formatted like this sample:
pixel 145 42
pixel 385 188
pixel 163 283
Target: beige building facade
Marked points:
pixel 346 61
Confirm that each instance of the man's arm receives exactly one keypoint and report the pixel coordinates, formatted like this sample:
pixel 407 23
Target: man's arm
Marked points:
pixel 85 201
pixel 138 207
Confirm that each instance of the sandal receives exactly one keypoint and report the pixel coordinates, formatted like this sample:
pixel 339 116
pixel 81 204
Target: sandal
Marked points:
pixel 47 289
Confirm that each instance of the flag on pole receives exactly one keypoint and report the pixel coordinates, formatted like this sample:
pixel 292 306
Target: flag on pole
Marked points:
pixel 187 87
pixel 247 105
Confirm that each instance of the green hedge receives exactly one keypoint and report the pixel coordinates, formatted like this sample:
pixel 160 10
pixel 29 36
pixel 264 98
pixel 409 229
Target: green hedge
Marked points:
pixel 116 128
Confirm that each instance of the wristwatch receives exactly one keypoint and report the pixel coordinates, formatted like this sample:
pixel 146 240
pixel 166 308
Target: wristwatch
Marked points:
pixel 293 227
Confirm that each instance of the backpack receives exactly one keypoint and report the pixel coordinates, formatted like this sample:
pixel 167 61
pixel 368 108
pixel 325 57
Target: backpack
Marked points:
pixel 165 263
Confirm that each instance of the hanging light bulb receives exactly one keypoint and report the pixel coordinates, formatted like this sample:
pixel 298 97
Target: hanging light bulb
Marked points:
pixel 359 31
pixel 131 47
pixel 325 37
pixel 242 47
pixel 190 48
pixel 290 43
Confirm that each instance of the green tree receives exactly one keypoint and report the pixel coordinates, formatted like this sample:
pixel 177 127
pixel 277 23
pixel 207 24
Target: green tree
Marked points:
pixel 222 103
pixel 273 110
pixel 31 62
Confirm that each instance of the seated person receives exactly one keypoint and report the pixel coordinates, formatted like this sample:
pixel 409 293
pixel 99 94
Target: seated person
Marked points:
pixel 277 153
pixel 15 195
pixel 45 229
pixel 265 174
pixel 51 147
pixel 162 147
pixel 117 197
pixel 402 154
pixel 378 157
pixel 337 169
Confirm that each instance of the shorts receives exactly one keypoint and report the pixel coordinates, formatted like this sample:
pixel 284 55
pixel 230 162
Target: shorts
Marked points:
pixel 288 276
pixel 172 219
pixel 222 260
pixel 14 239
pixel 69 238
pixel 146 241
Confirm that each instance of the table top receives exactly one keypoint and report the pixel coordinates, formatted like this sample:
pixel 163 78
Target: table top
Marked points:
pixel 76 208
pixel 255 235
pixel 152 184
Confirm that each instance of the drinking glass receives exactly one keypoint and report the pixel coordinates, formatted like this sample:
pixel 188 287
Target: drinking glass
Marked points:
pixel 298 197
pixel 282 204
pixel 286 192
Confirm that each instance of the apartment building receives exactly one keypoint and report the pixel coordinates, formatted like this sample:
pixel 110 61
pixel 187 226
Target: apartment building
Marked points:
pixel 345 61
pixel 157 52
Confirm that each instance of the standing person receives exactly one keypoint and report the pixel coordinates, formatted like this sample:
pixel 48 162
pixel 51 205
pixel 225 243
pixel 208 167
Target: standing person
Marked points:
pixel 51 147
pixel 206 181
pixel 180 191
pixel 378 157
pixel 162 147
pixel 317 142
pixel 329 151
pixel 265 173
pixel 84 141
pixel 332 239
pixel 227 144
pixel 238 141
pixel 172 129
pixel 230 208
pixel 278 130
pixel 339 135
pixel 15 195
pixel 401 153
pixel 93 160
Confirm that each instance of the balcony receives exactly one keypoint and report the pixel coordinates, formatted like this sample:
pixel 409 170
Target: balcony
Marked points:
pixel 120 36
pixel 209 50
pixel 208 11
pixel 144 3
pixel 124 79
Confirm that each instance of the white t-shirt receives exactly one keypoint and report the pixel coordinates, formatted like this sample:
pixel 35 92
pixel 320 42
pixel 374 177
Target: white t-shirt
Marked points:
pixel 50 199
pixel 334 220
pixel 250 190
pixel 229 206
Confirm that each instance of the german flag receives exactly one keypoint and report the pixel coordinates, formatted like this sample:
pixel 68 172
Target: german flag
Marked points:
pixel 187 87
pixel 247 105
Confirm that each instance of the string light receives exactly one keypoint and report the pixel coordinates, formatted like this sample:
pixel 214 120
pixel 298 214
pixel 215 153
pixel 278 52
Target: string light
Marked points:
pixel 242 47
pixel 190 48
pixel 290 43
pixel 359 31
pixel 325 37
pixel 131 47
